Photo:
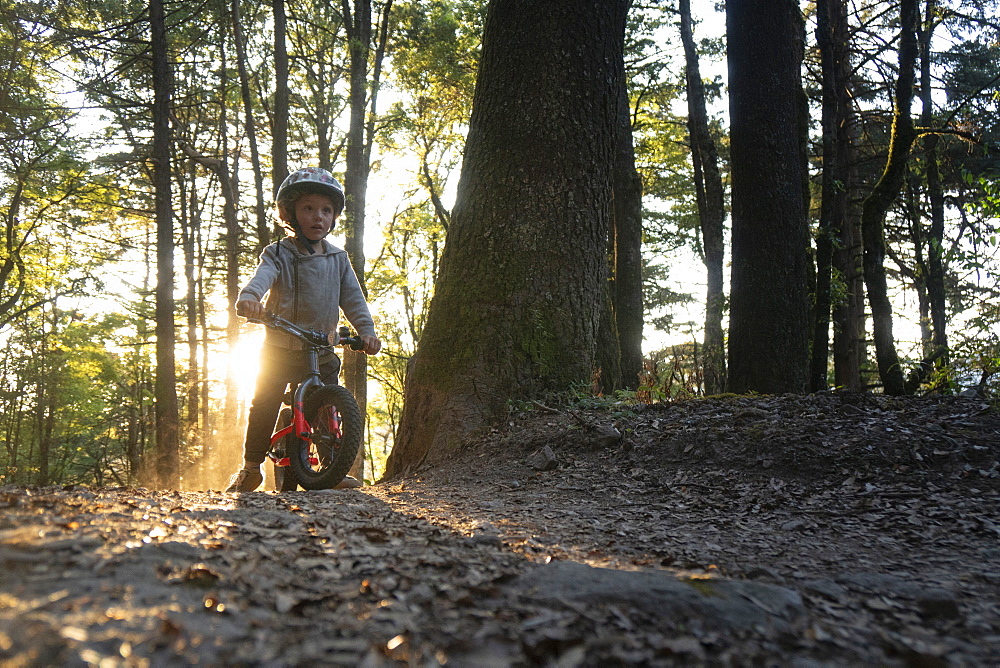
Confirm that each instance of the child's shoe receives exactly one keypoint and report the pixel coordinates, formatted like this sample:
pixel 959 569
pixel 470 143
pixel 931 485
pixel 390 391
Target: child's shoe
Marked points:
pixel 245 480
pixel 349 482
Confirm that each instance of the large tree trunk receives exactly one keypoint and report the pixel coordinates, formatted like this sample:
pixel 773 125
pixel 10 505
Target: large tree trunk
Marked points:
pixel 711 208
pixel 877 204
pixel 522 282
pixel 769 324
pixel 167 417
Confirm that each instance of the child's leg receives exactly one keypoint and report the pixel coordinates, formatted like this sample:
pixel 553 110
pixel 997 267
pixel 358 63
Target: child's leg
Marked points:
pixel 272 381
pixel 329 369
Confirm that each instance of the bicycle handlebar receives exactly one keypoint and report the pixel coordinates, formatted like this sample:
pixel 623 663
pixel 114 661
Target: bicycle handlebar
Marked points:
pixel 341 337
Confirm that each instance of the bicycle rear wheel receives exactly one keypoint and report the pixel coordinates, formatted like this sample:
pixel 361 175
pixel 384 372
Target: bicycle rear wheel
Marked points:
pixel 337 429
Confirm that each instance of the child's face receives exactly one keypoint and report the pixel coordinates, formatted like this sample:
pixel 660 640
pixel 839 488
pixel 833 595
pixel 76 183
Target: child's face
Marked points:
pixel 315 215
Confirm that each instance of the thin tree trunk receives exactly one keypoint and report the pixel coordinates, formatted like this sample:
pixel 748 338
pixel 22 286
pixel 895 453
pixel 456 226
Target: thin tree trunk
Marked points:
pixel 629 316
pixel 849 346
pixel 917 274
pixel 847 313
pixel 936 297
pixel 229 188
pixel 188 220
pixel 45 406
pixel 216 463
pixel 263 226
pixel 167 418
pixel 358 25
pixel 279 129
pixel 877 205
pixel 376 78
pixel 142 469
pixel 828 223
pixel 361 129
pixel 47 425
pixel 711 208
pixel 918 277
pixel 440 211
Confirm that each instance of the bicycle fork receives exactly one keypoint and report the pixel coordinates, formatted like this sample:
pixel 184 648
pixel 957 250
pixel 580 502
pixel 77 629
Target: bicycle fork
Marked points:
pixel 300 429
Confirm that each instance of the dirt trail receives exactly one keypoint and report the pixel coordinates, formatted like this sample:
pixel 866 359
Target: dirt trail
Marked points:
pixel 838 530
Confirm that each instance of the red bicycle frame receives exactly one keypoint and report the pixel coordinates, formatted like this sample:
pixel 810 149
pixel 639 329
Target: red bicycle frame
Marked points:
pixel 299 428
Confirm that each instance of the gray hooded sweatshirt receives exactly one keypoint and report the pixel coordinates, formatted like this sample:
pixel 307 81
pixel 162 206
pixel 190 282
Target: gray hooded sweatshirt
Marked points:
pixel 309 290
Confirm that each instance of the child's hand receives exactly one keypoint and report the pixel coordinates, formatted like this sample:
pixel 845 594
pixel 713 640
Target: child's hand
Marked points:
pixel 372 345
pixel 251 309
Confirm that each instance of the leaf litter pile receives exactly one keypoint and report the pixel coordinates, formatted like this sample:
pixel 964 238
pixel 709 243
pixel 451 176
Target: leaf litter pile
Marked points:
pixel 806 530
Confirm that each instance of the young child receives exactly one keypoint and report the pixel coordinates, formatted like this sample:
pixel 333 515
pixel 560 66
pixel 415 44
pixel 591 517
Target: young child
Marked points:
pixel 309 281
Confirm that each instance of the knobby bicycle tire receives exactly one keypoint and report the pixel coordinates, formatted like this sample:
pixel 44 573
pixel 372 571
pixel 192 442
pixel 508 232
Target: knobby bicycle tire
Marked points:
pixel 325 461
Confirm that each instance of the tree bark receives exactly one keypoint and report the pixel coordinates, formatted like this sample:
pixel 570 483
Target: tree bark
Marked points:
pixel 263 226
pixel 937 300
pixel 167 416
pixel 360 135
pixel 627 258
pixel 189 221
pixel 768 339
pixel 711 208
pixel 358 25
pixel 877 204
pixel 279 127
pixel 837 217
pixel 607 374
pixel 834 235
pixel 522 283
pixel 849 349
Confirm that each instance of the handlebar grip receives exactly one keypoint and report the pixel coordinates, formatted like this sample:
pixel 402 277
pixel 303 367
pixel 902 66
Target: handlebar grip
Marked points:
pixel 342 337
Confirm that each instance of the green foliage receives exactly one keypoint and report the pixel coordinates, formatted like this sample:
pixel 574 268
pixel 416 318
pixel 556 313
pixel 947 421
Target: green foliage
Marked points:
pixel 658 297
pixel 436 52
pixel 659 122
pixel 671 374
pixel 989 203
pixel 435 56
pixel 68 404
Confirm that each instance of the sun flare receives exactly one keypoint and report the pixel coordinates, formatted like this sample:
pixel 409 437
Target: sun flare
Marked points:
pixel 244 361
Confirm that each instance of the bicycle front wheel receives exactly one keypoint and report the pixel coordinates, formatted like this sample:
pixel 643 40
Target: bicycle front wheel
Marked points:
pixel 337 428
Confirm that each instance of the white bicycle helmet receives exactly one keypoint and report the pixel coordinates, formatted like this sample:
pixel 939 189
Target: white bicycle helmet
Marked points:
pixel 312 180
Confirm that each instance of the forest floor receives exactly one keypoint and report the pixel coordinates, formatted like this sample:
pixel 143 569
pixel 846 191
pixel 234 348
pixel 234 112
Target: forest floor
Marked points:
pixel 815 530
